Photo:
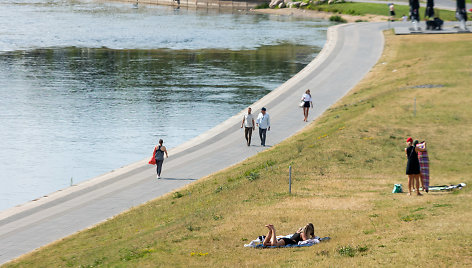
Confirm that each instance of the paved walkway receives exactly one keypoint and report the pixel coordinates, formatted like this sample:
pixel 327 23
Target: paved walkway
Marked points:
pixel 441 4
pixel 350 52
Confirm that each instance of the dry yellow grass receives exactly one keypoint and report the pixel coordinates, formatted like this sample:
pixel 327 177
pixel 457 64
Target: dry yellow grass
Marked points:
pixel 344 168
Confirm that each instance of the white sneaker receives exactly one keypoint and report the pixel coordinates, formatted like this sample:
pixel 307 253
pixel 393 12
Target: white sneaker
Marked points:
pixel 158 177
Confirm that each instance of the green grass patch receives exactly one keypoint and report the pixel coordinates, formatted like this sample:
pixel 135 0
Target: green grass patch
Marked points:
pixel 349 251
pixel 441 205
pixel 412 217
pixel 362 9
pixel 132 254
pixel 418 209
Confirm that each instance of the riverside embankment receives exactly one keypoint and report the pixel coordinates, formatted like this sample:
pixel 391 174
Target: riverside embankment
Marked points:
pixel 344 164
pixel 350 52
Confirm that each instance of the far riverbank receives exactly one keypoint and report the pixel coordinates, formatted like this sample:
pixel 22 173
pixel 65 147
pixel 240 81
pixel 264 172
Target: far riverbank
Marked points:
pixel 214 4
pixel 251 7
pixel 313 14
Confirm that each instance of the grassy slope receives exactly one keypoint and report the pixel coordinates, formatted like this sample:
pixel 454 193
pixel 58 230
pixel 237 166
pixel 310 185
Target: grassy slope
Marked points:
pixel 344 166
pixel 351 8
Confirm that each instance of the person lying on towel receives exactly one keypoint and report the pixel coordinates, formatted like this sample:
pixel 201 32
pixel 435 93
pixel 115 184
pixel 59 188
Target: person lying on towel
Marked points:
pixel 302 234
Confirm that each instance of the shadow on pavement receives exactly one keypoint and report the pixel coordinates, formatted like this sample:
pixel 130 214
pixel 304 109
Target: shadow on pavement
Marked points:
pixel 178 179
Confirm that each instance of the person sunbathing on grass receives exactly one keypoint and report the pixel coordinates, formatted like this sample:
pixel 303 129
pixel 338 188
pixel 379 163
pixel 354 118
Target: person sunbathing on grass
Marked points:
pixel 302 234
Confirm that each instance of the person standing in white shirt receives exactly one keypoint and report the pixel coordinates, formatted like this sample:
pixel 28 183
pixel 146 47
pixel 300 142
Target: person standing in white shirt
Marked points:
pixel 248 123
pixel 263 122
pixel 308 102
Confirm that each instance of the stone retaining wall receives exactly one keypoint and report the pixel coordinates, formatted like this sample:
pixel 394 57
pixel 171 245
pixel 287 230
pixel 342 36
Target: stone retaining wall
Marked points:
pixel 223 4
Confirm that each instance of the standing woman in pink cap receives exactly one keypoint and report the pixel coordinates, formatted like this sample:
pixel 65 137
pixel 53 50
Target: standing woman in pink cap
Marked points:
pixel 412 166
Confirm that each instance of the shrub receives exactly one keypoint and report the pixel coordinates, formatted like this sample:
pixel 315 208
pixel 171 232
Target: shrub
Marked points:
pixel 262 6
pixel 219 189
pixel 177 195
pixel 337 18
pixel 253 176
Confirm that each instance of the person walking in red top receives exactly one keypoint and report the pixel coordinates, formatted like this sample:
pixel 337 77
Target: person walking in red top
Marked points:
pixel 158 157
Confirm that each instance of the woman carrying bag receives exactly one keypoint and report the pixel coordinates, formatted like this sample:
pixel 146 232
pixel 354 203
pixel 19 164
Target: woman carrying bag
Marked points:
pixel 158 157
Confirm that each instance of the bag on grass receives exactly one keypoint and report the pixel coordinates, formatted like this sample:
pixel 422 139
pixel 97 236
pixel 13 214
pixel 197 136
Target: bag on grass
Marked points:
pixel 397 188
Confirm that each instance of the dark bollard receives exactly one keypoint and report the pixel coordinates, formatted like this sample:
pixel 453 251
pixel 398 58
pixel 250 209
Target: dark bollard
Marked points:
pixel 290 179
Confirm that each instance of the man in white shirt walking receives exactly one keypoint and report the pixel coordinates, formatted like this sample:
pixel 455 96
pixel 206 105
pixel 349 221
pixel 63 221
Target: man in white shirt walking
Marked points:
pixel 263 122
pixel 248 123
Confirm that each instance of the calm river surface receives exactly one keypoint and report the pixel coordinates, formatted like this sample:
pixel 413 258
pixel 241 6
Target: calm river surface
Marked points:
pixel 87 87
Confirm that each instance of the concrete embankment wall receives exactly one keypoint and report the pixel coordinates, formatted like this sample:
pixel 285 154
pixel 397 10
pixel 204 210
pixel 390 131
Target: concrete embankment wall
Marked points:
pixel 223 4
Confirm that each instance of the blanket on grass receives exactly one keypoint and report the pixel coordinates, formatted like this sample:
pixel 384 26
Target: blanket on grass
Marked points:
pixel 447 187
pixel 257 243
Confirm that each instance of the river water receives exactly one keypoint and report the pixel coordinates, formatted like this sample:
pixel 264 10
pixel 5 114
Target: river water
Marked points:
pixel 87 87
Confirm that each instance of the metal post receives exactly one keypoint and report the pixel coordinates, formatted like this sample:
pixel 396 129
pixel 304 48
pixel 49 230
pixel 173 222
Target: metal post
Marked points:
pixel 414 108
pixel 71 181
pixel 290 179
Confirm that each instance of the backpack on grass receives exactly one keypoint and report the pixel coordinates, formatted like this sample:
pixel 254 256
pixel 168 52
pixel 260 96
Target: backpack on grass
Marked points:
pixel 397 188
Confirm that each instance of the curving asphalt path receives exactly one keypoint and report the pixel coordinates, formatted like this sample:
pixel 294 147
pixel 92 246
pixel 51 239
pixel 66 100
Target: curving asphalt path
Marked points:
pixel 349 53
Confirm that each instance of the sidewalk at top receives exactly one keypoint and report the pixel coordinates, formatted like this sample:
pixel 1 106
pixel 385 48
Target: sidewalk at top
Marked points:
pixel 441 4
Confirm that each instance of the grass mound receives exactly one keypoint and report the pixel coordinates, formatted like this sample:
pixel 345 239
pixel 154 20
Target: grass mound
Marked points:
pixel 344 167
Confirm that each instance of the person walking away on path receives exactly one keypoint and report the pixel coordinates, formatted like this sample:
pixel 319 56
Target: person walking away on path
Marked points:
pixel 429 11
pixel 159 156
pixel 263 122
pixel 392 11
pixel 302 234
pixel 308 102
pixel 424 165
pixel 248 123
pixel 412 166
pixel 414 11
